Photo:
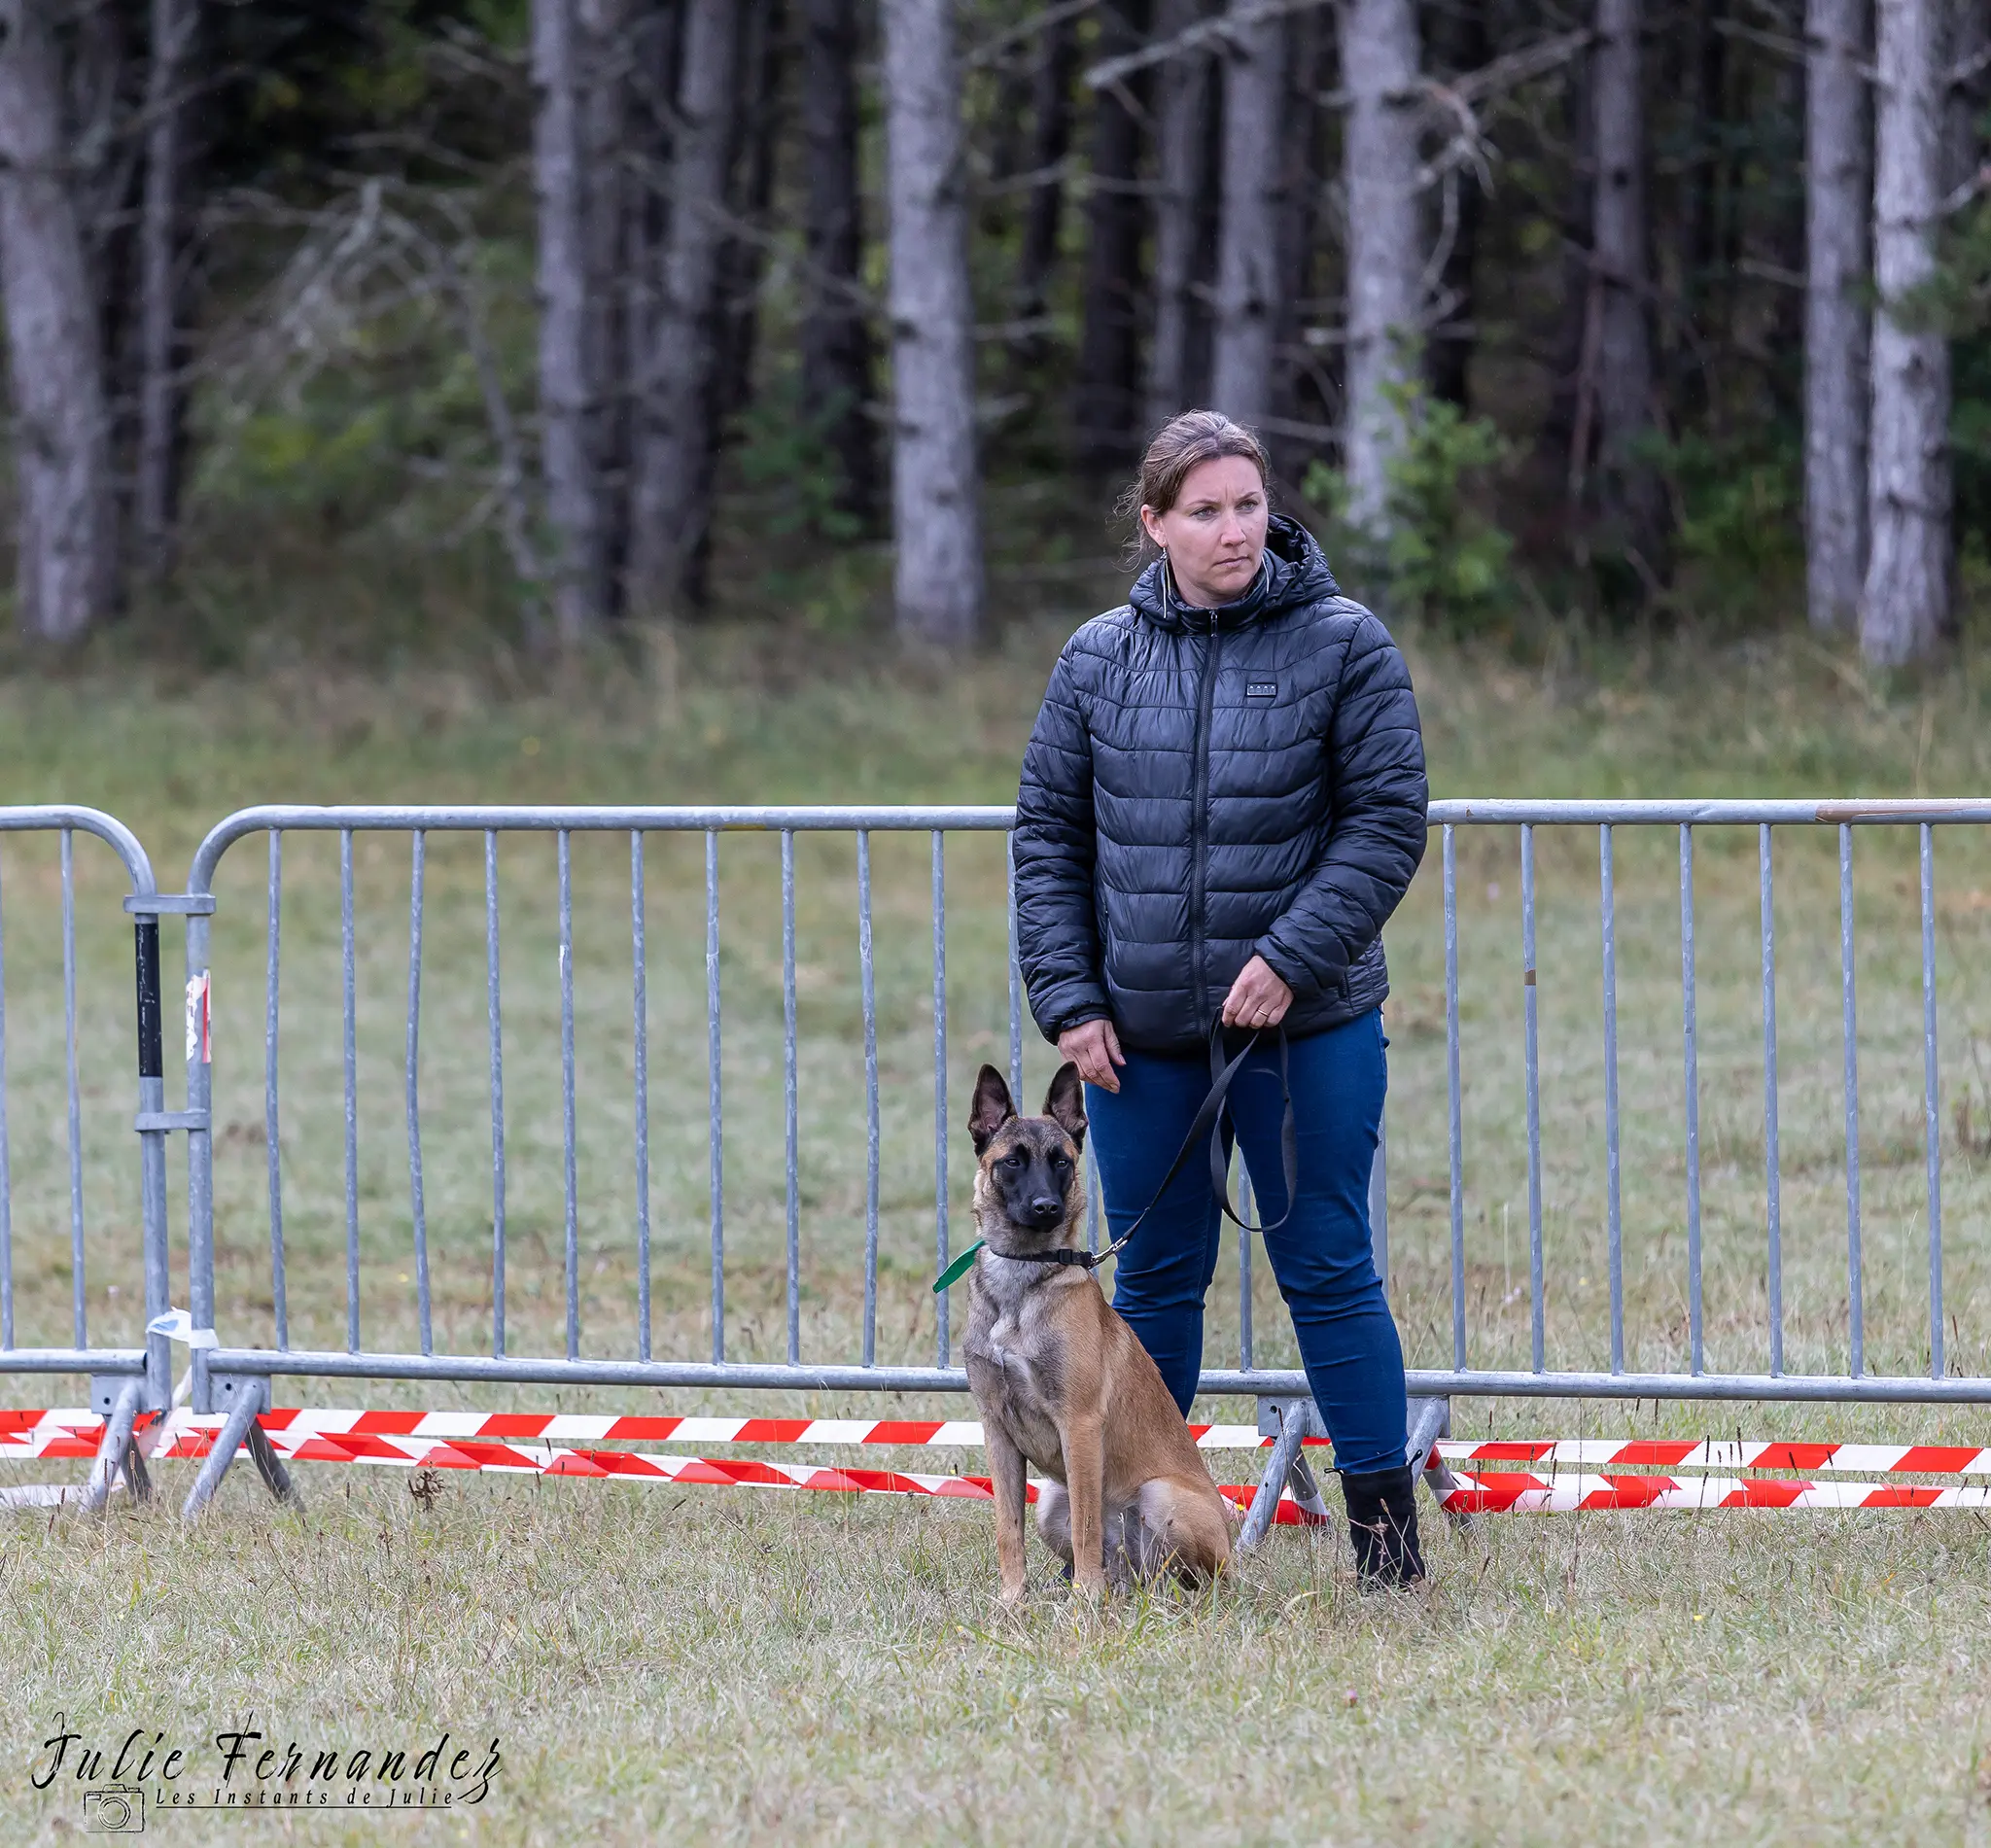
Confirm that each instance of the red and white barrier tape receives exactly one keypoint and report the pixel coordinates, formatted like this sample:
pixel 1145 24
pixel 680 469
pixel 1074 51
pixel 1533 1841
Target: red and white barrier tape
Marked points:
pixel 1686 1453
pixel 18 1428
pixel 189 1436
pixel 1498 1492
pixel 28 1433
pixel 524 1444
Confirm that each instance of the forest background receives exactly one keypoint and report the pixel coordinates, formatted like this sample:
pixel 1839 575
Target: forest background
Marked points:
pixel 389 327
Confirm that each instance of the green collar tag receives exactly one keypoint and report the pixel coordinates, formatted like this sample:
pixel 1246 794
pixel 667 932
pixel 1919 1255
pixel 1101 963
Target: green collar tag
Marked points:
pixel 958 1269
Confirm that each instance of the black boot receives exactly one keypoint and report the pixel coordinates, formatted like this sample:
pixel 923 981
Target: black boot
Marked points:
pixel 1382 1523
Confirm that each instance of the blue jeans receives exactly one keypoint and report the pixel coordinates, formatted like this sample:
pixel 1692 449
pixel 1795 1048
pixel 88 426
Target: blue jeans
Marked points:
pixel 1322 1256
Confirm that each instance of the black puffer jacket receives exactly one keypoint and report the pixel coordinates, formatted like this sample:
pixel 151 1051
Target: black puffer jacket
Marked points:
pixel 1207 784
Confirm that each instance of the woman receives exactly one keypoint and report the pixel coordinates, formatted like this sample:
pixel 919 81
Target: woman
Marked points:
pixel 1222 802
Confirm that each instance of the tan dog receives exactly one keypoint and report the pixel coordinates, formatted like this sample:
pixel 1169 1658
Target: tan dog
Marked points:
pixel 1061 1382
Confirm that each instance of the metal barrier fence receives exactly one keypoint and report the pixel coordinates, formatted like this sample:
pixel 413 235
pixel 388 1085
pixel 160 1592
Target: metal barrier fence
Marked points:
pixel 123 1381
pixel 217 1371
pixel 237 1377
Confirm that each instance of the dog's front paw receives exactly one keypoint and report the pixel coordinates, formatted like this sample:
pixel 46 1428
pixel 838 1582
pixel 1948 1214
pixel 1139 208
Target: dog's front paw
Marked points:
pixel 1011 1595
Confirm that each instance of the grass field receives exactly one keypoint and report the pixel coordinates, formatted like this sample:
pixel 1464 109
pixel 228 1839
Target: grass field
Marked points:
pixel 737 1664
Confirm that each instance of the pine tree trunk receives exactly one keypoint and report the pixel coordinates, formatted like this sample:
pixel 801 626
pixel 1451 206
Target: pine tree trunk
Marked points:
pixel 1183 100
pixel 1629 495
pixel 836 346
pixel 1050 142
pixel 1836 318
pixel 1970 32
pixel 1905 601
pixel 937 586
pixel 574 510
pixel 1463 44
pixel 1705 283
pixel 605 48
pixel 1569 414
pixel 1380 72
pixel 67 561
pixel 743 261
pixel 162 400
pixel 1248 217
pixel 1301 187
pixel 1107 403
pixel 671 510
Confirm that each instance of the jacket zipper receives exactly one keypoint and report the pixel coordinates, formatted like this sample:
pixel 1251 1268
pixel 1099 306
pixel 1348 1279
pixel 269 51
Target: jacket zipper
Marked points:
pixel 1198 826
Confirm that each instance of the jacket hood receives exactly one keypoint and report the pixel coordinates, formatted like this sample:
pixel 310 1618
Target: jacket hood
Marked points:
pixel 1292 572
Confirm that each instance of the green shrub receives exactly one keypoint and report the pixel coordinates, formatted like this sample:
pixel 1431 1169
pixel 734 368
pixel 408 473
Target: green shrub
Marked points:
pixel 1442 554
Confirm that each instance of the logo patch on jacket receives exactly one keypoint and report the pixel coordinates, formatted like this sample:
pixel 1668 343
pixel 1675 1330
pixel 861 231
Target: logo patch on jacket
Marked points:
pixel 1261 690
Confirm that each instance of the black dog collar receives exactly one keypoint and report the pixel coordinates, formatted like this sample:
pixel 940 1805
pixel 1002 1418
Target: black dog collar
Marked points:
pixel 958 1269
pixel 1085 1260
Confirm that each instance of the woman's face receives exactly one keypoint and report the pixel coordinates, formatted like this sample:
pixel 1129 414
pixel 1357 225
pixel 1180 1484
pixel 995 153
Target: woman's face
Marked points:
pixel 1214 534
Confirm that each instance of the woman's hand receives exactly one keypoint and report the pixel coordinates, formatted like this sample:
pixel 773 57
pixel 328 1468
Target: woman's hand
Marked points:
pixel 1257 997
pixel 1095 1049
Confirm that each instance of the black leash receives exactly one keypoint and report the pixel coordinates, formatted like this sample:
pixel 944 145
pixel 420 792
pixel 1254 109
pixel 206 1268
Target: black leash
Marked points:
pixel 1207 1126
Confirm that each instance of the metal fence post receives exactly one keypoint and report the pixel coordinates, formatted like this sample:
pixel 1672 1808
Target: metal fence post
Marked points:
pixel 151 1159
pixel 199 1050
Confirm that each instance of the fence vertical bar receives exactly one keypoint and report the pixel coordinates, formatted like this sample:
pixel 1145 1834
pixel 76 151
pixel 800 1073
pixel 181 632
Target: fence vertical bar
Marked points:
pixel 158 1393
pixel 79 1288
pixel 790 1111
pixel 716 1140
pixel 639 965
pixel 1536 1345
pixel 1856 1312
pixel 1690 1037
pixel 1455 1105
pixel 495 1012
pixel 352 1084
pixel 1244 1329
pixel 1015 982
pixel 418 1205
pixel 866 970
pixel 272 1113
pixel 201 1156
pixel 571 1175
pixel 940 1227
pixel 6 1171
pixel 1774 1203
pixel 1245 1205
pixel 1930 1102
pixel 1614 1224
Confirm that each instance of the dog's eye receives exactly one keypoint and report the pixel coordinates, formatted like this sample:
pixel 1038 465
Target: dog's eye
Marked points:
pixel 1012 1161
pixel 1061 1162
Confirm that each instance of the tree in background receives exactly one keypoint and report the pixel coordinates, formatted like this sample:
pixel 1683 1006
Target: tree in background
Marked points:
pixel 570 386
pixel 1385 242
pixel 67 559
pixel 1106 398
pixel 1185 97
pixel 163 263
pixel 315 303
pixel 935 481
pixel 835 341
pixel 671 511
pixel 1243 323
pixel 1835 318
pixel 1616 368
pixel 1906 601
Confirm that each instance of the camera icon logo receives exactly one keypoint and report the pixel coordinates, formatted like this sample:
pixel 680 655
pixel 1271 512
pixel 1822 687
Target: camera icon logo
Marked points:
pixel 119 1809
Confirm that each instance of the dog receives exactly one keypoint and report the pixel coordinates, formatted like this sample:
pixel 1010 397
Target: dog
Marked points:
pixel 1061 1382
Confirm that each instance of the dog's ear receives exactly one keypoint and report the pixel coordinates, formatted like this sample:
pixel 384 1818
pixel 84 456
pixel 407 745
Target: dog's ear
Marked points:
pixel 992 1107
pixel 1065 1102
